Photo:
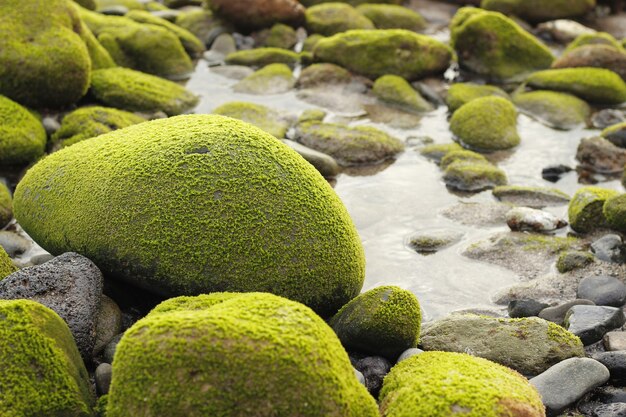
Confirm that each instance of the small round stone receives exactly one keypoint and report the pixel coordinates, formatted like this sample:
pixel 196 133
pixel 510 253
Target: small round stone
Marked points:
pixel 603 290
pixel 408 353
pixel 104 373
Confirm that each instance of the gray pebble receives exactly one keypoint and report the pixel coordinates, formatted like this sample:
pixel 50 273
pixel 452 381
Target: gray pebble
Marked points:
pixel 614 341
pixel 603 290
pixel 557 314
pixel 13 244
pixel 109 323
pixel 109 350
pixel 609 248
pixel 104 372
pixel 360 377
pixel 525 308
pixel 591 323
pixel 408 353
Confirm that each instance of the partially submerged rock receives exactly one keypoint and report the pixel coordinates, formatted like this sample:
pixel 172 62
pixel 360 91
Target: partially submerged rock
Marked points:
pixel 585 209
pixel 534 197
pixel 23 138
pixel 397 91
pixel 473 176
pixel 533 220
pixel 261 57
pixel 323 74
pixel 557 110
pixel 436 152
pixel 462 93
pixel 252 14
pixel 258 115
pixel 431 241
pixel 272 79
pixel 330 18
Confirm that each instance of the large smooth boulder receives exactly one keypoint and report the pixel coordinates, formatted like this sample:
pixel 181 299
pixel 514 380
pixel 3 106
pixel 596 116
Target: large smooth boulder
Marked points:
pixel 196 204
pixel 540 10
pixel 22 136
pixel 255 14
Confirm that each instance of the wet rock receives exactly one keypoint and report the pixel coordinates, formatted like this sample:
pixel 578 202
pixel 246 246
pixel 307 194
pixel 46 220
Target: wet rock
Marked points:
pixel 360 377
pixel 409 353
pixel 281 36
pixel 605 118
pixel 472 176
pixel 563 30
pixel 109 350
pixel 614 341
pixel 393 116
pixel 616 364
pixel 609 248
pixel 330 18
pixel 374 370
pixel 462 156
pixel 389 16
pixel 462 93
pixel 539 11
pixel 534 197
pixel 436 152
pixel 431 241
pixel 222 46
pixel 341 99
pixel 234 72
pixel 591 323
pixel 600 155
pixel 557 110
pixel 323 74
pixel 261 57
pixel 533 220
pixel 109 324
pixel 555 172
pixel 258 115
pixel 255 14
pixel 603 290
pixel 571 260
pixel 557 313
pixel 398 92
pixel 271 79
pixel 13 244
pixel 325 164
pixel 477 214
pixel 585 208
pixel 597 56
pixel 41 259
pixel 103 376
pixel 525 308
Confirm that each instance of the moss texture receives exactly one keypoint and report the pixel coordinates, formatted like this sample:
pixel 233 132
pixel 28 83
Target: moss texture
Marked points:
pixel 258 115
pixel 585 210
pixel 6 265
pixel 129 4
pixel 323 74
pixel 473 176
pixel 196 204
pixel 281 36
pixel 598 38
pixel 489 43
pixel 557 110
pixel 271 79
pixel 193 303
pixel 384 321
pixel 87 4
pixel 397 91
pixel 89 122
pixel 42 372
pixel 596 85
pixel 375 53
pixel 437 151
pixel 240 357
pixel 330 18
pixel 22 136
pixel 261 57
pixel 100 57
pixel 131 90
pixel 386 16
pixel 309 3
pixel 311 41
pixel 462 93
pixel 461 155
pixel 6 205
pixel 487 124
pixel 571 260
pixel 614 211
pixel 43 59
pixel 540 10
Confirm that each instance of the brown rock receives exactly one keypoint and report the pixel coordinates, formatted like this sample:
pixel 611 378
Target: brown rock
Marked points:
pixel 599 155
pixel 255 14
pixel 598 55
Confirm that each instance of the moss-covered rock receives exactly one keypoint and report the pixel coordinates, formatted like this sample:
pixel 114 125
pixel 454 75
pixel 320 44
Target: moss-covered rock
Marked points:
pixel 43 59
pixel 22 136
pixel 131 90
pixel 614 210
pixel 437 151
pixel 281 36
pixel 128 4
pixel 42 372
pixel 196 204
pixel 253 14
pixel 241 354
pixel 265 118
pixel 6 265
pixel 451 384
pixel 87 4
pixel 397 91
pixel 100 57
pixel 323 74
pixel 386 16
pixel 473 176
pixel 597 38
pixel 575 259
pixel 331 18
pixel 462 93
pixel 461 155
pixel 6 205
pixel 510 52
pixel 272 79
pixel 616 134
pixel 596 85
pixel 540 10
pixel 384 321
pixel 309 3
pixel 596 56
pixel 202 23
pixel 487 124
pixel 312 115
pixel 89 122
pixel 311 41
pixel 261 57
pixel 558 110
pixel 375 53
pixel 534 197
pixel 585 209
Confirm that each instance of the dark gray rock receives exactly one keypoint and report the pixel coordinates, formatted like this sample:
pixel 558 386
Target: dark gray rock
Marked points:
pixel 109 323
pixel 69 284
pixel 610 410
pixel 603 290
pixel 591 323
pixel 614 341
pixel 408 353
pixel 525 308
pixel 374 369
pixel 609 248
pixel 615 363
pixel 555 172
pixel 557 314
pixel 104 373
pixel 109 350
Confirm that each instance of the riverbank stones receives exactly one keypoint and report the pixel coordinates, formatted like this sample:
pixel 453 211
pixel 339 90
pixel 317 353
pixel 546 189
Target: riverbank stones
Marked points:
pixel 557 313
pixel 525 308
pixel 615 363
pixel 609 248
pixel 591 323
pixel 603 290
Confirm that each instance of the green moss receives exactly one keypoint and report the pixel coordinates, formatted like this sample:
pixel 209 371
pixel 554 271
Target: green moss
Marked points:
pixel 155 6
pixel 89 122
pixel 612 130
pixel 596 85
pixel 6 264
pixel 585 208
pixel 614 210
pixel 385 16
pixel 42 372
pixel 87 4
pixel 397 91
pixel 437 151
pixel 461 155
pixel 281 36
pixel 375 53
pixel 101 405
pixel 473 176
pixel 6 205
pixel 539 10
pixel 258 115
pixel 311 115
pixel 547 244
pixel 331 18
pixel 323 74
pixel 487 124
pixel 199 302
pixel 135 91
pixel 100 57
pixel 271 79
pixel 598 38
pixel 242 354
pixel 311 41
pixel 22 136
pixel 261 57
pixel 570 260
pixel 462 93
pixel 129 4
pixel 561 336
pixel 196 204
pixel 447 384
pixel 531 196
pixel 510 53
pixel 557 110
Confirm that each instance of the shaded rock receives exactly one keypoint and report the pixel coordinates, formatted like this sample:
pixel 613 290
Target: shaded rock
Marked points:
pixel 389 16
pixel 323 74
pixel 610 410
pixel 597 56
pixel 571 260
pixel 538 10
pixel 554 173
pixel 585 208
pixel 330 18
pixel 615 340
pixel 374 370
pixel 534 197
pixel 6 205
pixel 557 313
pixel 272 79
pixel 103 376
pixel 203 24
pixel 525 308
pixel 473 177
pixel 609 248
pixel 258 115
pixel 616 134
pixel 254 14
pixel 409 353
pixel 533 220
pixel 600 155
pixel 325 164
pixel 603 290
pixel 591 323
pixel 557 110
pixel 462 93
pixel 615 363
pixel 110 348
pixel 13 243
pixel 431 241
pixel 261 57
pixel 109 324
pixel 605 118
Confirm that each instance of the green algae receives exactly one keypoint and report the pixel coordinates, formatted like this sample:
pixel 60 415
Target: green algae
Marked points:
pixel 271 79
pixel 571 260
pixel 461 155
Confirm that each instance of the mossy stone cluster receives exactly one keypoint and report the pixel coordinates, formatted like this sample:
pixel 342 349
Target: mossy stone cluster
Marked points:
pixel 384 321
pixel 462 93
pixel 42 372
pixel 375 53
pixel 585 210
pixel 6 265
pixel 388 16
pixel 258 115
pixel 557 110
pixel 330 18
pixel 260 57
pixel 438 384
pixel 22 136
pixel 196 204
pixel 6 205
pixel 540 10
pixel 244 354
pixel 397 91
pixel 614 211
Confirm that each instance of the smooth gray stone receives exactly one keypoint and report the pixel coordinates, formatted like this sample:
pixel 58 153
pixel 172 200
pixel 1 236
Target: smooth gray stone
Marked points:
pixel 525 308
pixel 325 164
pixel 615 341
pixel 360 377
pixel 591 323
pixel 603 290
pixel 557 314
pixel 408 353
pixel 609 248
pixel 109 323
pixel 104 373
pixel 109 350
pixel 615 363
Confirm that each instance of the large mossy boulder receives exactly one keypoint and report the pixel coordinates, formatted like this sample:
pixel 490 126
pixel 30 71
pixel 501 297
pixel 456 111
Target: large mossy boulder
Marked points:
pixel 6 264
pixel 375 53
pixel 250 354
pixel 330 18
pixel 42 372
pixel 557 110
pixel 196 204
pixel 43 59
pixel 540 10
pixel 22 136
pixel 260 57
pixel 389 16
pixel 585 208
pixel 490 44
pixel 265 118
pixel 446 384
pixel 462 93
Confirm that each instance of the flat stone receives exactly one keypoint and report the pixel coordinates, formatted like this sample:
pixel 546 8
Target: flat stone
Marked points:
pixel 557 314
pixel 603 290
pixel 591 323
pixel 614 341
pixel 615 363
pixel 525 308
pixel 431 241
pixel 609 248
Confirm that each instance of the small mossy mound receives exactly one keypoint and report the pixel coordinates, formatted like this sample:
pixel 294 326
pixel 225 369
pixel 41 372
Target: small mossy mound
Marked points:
pixel 330 18
pixel 510 54
pixel 244 353
pixel 386 16
pixel 258 115
pixel 598 38
pixel 574 259
pixel 558 110
pixel 585 210
pixel 486 124
pixel 6 264
pixel 272 79
pixel 596 85
pixel 42 372
pixel 397 91
pixel 461 155
pixel 131 90
pixel 616 134
pixel 437 151
pixel 596 56
pixel 22 136
pixel 89 122
pixel 323 74
pixel 281 36
pixel 375 53
pixel 444 384
pixel 473 176
pixel 384 321
pixel 6 205
pixel 462 93
pixel 196 204
pixel 261 57
pixel 540 10
pixel 614 211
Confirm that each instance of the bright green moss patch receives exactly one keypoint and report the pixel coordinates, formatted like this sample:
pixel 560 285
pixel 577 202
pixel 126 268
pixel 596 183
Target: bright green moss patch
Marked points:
pixel 330 18
pixel 397 91
pixel 614 211
pixel 272 79
pixel 199 302
pixel 436 152
pixel 540 10
pixel 571 260
pixel 461 155
pixel 22 136
pixel 462 93
pixel 585 209
pixel 386 16
pixel 6 265
pixel 598 38
pixel 6 205
pixel 129 4
pixel 261 57
pixel 100 57
pixel 557 110
pixel 258 115
pixel 596 85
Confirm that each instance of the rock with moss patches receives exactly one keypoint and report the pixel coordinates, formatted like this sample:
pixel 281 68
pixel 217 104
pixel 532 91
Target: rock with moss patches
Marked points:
pixel 311 41
pixel 281 36
pixel 42 372
pixel 272 79
pixel 539 10
pixel 597 38
pixel 486 124
pixel 6 205
pixel 89 122
pixel 202 23
pixel 614 211
pixel 534 197
pixel 462 93
pixel 616 134
pixel 239 354
pixel 440 383
pixel 131 90
pixel 323 74
pixel 384 321
pixel 349 145
pixel 255 14
pixel 473 176
pixel 263 117
pixel 375 53
pixel 585 208
pixel 571 260
pixel 437 151
pixel 386 16
pixel 330 18
pixel 597 56
pixel 261 57
pixel 87 4
pixel 528 345
pixel 557 110
pixel 22 136
pixel 596 85
pixel 397 91
pixel 511 52
pixel 272 223
pixel 6 264
pixel 461 155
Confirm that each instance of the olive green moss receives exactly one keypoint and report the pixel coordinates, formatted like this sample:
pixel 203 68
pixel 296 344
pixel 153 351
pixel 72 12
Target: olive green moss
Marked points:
pixel 89 122
pixel 330 18
pixel 384 321
pixel 100 57
pixel 557 110
pixel 451 384
pixel 323 74
pixel 462 93
pixel 271 79
pixel 131 90
pixel 511 52
pixel 312 115
pixel 614 210
pixel 87 4
pixel 243 356
pixel 202 23
pixel 42 372
pixel 386 16
pixel 461 155
pixel 571 260
pixel 129 4
pixel 614 129
pixel 598 38
pixel 596 85
pixel 101 405
pixel 43 59
pixel 6 264
pixel 22 136
pixel 309 3
pixel 258 115
pixel 540 10
pixel 6 205
pixel 261 57
pixel 281 36
pixel 311 41
pixel 375 53
pixel 437 151
pixel 530 196
pixel 473 176
pixel 397 91
pixel 585 209
pixel 486 124
pixel 196 204
pixel 198 302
